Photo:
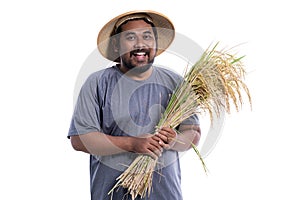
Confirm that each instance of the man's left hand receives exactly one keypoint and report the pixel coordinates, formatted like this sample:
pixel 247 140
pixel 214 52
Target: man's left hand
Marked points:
pixel 168 136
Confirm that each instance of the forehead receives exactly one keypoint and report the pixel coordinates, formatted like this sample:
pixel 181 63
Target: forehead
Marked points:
pixel 137 25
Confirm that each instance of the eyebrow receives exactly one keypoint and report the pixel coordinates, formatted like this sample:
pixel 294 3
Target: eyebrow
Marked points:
pixel 133 33
pixel 148 32
pixel 129 33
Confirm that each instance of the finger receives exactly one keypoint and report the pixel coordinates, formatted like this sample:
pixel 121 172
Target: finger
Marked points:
pixel 156 147
pixel 164 145
pixel 167 146
pixel 167 132
pixel 170 134
pixel 160 138
pixel 165 128
pixel 164 141
pixel 167 139
pixel 154 151
pixel 152 155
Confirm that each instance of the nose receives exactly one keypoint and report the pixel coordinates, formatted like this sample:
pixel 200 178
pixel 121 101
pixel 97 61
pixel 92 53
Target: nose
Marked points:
pixel 139 43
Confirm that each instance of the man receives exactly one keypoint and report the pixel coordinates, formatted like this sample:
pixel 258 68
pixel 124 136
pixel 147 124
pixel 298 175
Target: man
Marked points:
pixel 119 107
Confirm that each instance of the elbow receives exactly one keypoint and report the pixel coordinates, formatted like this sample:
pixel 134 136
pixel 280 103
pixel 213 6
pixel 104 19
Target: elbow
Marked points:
pixel 197 136
pixel 77 144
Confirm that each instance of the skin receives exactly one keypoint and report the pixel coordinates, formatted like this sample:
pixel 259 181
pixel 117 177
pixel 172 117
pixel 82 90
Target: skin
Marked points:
pixel 136 36
pixel 137 49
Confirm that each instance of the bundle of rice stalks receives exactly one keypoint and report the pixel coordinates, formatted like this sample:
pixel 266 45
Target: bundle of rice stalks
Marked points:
pixel 212 84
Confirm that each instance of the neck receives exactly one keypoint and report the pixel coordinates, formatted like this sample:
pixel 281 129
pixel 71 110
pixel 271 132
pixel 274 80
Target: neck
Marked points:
pixel 135 74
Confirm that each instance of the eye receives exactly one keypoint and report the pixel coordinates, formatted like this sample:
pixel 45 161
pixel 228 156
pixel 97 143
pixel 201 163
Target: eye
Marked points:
pixel 130 37
pixel 147 37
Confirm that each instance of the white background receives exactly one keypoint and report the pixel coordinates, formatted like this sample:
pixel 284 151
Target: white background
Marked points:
pixel 43 45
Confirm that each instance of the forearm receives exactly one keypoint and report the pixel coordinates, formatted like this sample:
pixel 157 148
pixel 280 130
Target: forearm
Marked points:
pixel 97 143
pixel 186 137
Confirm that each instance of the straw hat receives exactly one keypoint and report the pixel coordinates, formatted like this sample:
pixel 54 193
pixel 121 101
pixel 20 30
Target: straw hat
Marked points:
pixel 165 31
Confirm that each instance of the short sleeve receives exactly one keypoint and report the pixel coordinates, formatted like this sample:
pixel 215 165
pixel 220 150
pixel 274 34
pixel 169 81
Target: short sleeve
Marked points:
pixel 86 116
pixel 193 120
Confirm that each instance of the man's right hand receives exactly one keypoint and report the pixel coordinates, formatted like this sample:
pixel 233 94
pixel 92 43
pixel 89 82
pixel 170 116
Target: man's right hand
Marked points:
pixel 148 144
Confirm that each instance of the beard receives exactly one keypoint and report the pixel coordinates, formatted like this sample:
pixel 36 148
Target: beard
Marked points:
pixel 137 69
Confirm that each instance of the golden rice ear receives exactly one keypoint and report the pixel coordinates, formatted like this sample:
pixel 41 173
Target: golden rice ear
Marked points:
pixel 218 77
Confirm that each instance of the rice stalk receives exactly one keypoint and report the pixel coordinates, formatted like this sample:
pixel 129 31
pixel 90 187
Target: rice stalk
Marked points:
pixel 200 157
pixel 212 84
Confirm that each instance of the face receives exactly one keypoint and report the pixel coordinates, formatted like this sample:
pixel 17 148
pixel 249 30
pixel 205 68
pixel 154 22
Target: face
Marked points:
pixel 137 45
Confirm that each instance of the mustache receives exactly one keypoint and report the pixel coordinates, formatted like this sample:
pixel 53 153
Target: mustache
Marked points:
pixel 140 50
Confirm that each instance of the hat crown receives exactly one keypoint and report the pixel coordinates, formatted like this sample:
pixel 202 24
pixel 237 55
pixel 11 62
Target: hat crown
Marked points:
pixel 134 16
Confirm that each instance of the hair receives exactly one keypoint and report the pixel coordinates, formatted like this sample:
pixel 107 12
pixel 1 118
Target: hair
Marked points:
pixel 119 28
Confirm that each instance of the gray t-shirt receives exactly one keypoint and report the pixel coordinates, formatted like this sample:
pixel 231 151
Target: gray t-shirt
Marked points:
pixel 114 104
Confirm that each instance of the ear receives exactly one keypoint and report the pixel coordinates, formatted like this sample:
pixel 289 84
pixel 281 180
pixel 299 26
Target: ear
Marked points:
pixel 115 44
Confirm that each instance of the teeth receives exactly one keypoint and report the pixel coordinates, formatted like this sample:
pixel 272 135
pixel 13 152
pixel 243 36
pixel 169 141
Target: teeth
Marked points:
pixel 141 53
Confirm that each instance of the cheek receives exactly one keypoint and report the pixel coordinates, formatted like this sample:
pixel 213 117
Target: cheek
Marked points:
pixel 124 47
pixel 153 51
pixel 124 50
pixel 155 48
pixel 153 54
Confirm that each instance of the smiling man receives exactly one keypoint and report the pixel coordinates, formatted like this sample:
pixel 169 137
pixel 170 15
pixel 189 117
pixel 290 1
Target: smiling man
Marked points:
pixel 119 107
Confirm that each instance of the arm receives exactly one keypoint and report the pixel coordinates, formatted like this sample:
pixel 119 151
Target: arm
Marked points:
pixel 97 143
pixel 180 142
pixel 188 134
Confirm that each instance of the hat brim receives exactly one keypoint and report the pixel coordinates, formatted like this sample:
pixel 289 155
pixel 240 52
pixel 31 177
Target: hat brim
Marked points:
pixel 165 33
